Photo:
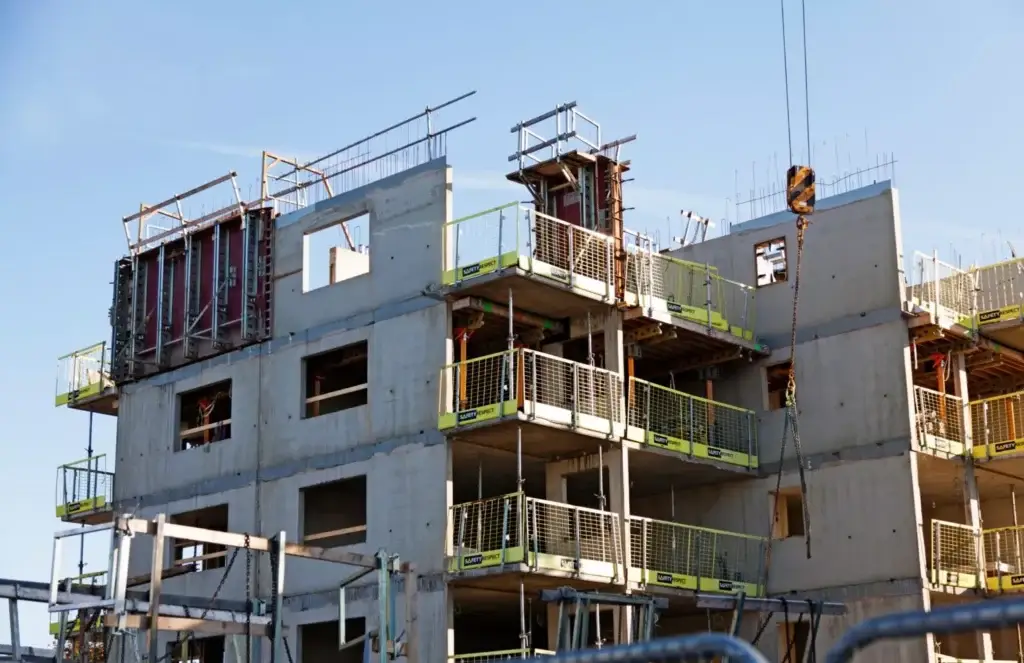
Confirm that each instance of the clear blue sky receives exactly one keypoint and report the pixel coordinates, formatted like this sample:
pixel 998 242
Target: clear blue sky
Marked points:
pixel 105 105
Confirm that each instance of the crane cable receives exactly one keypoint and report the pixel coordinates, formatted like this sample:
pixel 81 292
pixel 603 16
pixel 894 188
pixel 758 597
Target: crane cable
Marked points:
pixel 792 423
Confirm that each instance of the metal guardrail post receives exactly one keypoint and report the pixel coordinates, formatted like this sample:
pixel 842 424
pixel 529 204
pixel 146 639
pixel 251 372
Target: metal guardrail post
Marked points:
pixel 946 621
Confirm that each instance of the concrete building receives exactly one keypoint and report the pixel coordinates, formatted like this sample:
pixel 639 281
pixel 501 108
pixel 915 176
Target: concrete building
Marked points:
pixel 536 397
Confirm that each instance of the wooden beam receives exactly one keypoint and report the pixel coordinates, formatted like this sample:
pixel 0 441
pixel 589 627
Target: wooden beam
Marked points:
pixel 154 588
pixel 163 623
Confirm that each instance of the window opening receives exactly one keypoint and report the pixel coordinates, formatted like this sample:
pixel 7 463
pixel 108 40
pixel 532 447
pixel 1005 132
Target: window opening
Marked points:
pixel 770 261
pixel 205 415
pixel 334 514
pixel 337 380
pixel 195 556
pixel 777 379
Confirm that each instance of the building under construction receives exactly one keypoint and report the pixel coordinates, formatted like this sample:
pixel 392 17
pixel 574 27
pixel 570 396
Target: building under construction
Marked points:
pixel 514 418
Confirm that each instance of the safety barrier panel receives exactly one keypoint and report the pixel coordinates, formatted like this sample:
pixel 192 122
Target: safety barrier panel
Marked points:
pixel 940 621
pixel 660 283
pixel 940 421
pixel 82 374
pixel 942 289
pixel 954 555
pixel 513 235
pixel 997 425
pixel 84 487
pixel 675 555
pixel 1000 291
pixel 546 536
pixel 1004 559
pixel 502 655
pixel 690 425
pixel 539 385
pixel 73 626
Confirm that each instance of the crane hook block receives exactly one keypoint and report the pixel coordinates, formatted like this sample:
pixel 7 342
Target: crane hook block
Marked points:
pixel 800 189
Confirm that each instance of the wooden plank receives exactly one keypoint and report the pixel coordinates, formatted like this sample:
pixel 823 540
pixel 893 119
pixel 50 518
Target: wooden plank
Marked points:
pixel 164 623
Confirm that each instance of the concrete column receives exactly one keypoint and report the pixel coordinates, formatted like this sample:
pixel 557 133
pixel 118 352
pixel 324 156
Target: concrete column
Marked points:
pixel 972 502
pixel 615 361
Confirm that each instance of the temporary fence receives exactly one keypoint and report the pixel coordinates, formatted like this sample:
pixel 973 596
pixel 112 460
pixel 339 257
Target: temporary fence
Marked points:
pixel 706 646
pixel 981 616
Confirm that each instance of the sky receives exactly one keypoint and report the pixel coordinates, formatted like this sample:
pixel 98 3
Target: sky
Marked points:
pixel 107 105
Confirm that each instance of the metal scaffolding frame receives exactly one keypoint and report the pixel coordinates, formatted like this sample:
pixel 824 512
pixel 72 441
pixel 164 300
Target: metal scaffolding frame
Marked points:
pixel 154 612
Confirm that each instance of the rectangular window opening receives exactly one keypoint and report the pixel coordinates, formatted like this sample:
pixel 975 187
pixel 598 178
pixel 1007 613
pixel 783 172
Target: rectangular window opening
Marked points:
pixel 198 650
pixel 336 380
pixel 777 379
pixel 770 262
pixel 204 415
pixel 794 637
pixel 319 642
pixel 334 514
pixel 196 556
pixel 789 513
pixel 327 257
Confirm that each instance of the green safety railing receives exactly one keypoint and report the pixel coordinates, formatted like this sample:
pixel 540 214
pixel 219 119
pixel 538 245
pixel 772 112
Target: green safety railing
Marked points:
pixel 84 486
pixel 82 374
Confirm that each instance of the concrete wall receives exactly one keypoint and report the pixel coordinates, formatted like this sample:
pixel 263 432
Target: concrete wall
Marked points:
pixel 274 452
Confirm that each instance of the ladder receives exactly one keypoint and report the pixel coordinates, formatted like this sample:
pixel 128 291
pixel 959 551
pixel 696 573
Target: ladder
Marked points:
pixel 267 272
pixel 250 275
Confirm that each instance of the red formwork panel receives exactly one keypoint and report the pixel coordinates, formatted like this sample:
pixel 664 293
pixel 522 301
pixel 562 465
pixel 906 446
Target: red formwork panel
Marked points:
pixel 142 307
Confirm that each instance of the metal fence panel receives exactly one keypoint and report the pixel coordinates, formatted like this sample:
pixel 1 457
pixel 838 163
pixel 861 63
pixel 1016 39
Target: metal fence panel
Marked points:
pixel 956 619
pixel 707 645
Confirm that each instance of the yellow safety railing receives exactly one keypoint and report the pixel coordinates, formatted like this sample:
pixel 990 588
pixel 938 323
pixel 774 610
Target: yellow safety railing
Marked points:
pixel 954 555
pixel 942 289
pixel 86 580
pixel 84 486
pixel 997 425
pixel 939 419
pixel 1004 558
pixel 690 291
pixel 83 373
pixel 539 385
pixel 1000 291
pixel 502 655
pixel 514 235
pixel 691 425
pixel 676 555
pixel 545 536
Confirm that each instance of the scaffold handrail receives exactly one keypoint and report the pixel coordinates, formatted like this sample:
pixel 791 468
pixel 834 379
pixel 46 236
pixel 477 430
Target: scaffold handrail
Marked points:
pixel 538 385
pixel 954 555
pixel 538 244
pixel 939 420
pixel 83 373
pixel 667 650
pixel 693 557
pixel 689 290
pixel 942 289
pixel 84 486
pixel 997 424
pixel 500 655
pixel 542 534
pixel 692 425
pixel 1000 290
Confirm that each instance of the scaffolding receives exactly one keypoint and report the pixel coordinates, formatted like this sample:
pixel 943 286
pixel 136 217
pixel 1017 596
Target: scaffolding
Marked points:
pixel 116 607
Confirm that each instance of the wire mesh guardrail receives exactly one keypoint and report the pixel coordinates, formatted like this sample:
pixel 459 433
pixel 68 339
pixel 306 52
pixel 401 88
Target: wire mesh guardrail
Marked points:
pixel 997 425
pixel 541 245
pixel 942 289
pixel 84 486
pixel 697 558
pixel 83 373
pixel 696 292
pixel 542 386
pixel 940 421
pixel 502 655
pixel 691 425
pixel 954 555
pixel 1004 558
pixel 544 535
pixel 1000 289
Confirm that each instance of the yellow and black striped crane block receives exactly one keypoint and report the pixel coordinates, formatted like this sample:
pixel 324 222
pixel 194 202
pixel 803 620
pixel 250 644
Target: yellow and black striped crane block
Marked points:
pixel 800 189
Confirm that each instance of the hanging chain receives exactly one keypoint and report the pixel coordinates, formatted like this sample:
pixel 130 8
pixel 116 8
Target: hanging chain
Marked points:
pixel 248 601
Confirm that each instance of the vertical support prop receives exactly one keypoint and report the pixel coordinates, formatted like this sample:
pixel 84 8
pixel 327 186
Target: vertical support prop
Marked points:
pixel 277 633
pixel 12 607
pixel 156 578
